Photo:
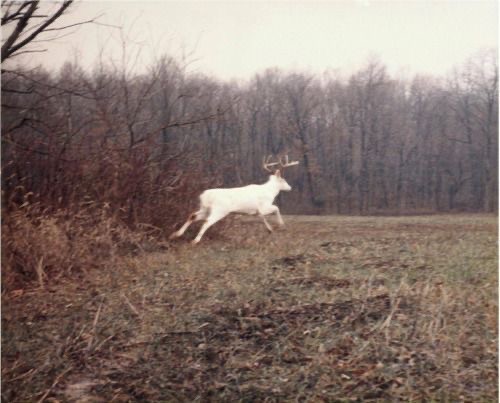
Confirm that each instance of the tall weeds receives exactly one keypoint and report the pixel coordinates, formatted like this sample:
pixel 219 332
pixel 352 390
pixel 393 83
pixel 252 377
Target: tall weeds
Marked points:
pixel 40 246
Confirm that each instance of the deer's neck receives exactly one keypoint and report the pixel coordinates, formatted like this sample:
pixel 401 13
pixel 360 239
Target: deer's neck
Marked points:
pixel 271 188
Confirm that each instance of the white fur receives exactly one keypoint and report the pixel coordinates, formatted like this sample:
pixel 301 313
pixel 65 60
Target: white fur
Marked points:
pixel 215 204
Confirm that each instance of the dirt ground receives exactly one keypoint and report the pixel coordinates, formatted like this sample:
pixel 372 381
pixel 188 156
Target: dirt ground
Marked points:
pixel 327 308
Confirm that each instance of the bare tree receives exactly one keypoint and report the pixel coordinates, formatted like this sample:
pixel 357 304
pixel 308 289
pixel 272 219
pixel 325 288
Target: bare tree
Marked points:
pixel 368 143
pixel 23 22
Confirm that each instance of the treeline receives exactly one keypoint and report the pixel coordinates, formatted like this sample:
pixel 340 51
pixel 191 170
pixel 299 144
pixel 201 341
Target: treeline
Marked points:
pixel 145 144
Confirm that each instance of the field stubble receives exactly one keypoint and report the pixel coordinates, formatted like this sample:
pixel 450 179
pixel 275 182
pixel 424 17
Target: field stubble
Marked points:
pixel 326 309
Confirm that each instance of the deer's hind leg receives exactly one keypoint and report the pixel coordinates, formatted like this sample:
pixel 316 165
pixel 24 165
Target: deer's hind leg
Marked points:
pixel 201 214
pixel 213 217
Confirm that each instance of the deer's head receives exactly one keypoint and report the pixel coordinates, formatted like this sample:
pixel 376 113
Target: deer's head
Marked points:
pixel 276 175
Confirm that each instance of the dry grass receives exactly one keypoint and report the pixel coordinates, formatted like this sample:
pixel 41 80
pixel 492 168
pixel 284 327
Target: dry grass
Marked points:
pixel 41 246
pixel 332 309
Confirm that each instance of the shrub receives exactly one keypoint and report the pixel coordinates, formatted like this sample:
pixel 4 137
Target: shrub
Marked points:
pixel 41 246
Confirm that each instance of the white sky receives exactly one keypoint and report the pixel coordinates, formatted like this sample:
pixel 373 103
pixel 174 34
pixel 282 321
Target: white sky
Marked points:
pixel 236 39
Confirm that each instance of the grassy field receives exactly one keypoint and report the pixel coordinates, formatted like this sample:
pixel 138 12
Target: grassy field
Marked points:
pixel 325 309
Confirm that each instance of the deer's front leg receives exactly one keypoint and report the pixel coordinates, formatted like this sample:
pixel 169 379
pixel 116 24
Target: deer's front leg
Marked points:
pixel 270 210
pixel 269 228
pixel 274 209
pixel 278 216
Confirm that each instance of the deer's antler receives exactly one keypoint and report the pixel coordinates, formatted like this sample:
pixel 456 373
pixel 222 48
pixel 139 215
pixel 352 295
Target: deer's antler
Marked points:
pixel 287 163
pixel 266 163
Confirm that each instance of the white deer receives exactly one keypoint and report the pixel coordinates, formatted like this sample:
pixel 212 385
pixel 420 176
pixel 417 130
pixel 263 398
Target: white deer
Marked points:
pixel 215 204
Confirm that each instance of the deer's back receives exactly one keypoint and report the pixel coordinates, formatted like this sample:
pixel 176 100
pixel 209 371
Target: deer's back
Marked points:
pixel 244 199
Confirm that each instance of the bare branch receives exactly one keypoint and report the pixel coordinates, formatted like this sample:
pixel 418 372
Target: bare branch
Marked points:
pixel 10 46
pixel 51 86
pixel 30 51
pixel 20 27
pixel 91 21
pixel 458 140
pixel 16 15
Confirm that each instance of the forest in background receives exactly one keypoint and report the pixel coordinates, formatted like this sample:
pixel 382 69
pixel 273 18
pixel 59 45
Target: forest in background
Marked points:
pixel 96 162
pixel 368 143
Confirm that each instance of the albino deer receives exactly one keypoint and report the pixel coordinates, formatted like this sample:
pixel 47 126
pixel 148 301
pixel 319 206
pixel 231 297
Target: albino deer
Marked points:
pixel 215 204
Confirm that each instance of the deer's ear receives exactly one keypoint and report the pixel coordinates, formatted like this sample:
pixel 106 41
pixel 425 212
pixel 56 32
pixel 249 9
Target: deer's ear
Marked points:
pixel 278 173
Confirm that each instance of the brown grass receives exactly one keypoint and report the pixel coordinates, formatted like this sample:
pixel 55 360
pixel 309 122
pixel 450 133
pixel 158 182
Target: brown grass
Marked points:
pixel 42 247
pixel 330 309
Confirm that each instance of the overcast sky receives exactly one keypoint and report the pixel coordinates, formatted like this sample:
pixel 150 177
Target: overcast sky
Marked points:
pixel 236 39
